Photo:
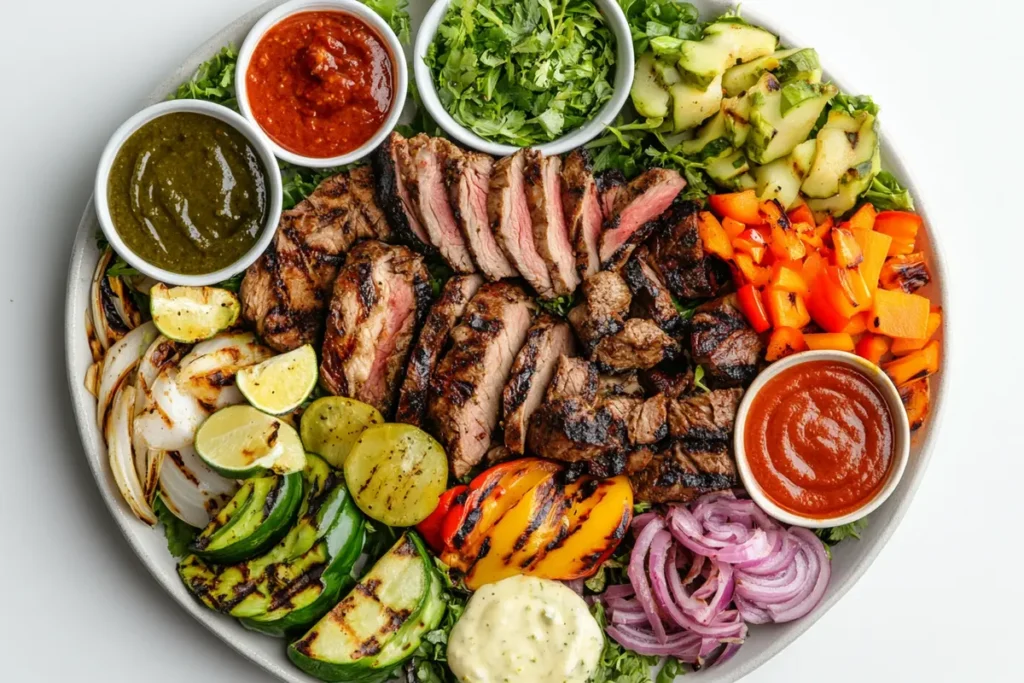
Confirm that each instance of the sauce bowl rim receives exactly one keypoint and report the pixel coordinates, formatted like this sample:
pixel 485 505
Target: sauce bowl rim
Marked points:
pixel 364 14
pixel 221 113
pixel 901 437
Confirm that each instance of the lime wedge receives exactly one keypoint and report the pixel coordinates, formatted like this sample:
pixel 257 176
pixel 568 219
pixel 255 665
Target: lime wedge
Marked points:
pixel 280 384
pixel 331 426
pixel 191 314
pixel 241 442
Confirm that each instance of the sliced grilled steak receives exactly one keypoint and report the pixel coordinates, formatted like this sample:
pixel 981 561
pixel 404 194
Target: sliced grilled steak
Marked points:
pixel 670 382
pixel 582 207
pixel 680 474
pixel 423 173
pixel 379 296
pixel 467 384
pixel 639 345
pixel 574 378
pixel 651 298
pixel 548 339
pixel 544 198
pixel 648 424
pixel 676 254
pixel 468 177
pixel 634 212
pixel 705 416
pixel 723 342
pixel 393 194
pixel 606 305
pixel 285 293
pixel 609 184
pixel 443 315
pixel 510 222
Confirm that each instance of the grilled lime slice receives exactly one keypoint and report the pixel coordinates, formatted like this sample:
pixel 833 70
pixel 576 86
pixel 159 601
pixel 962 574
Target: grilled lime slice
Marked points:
pixel 191 314
pixel 280 384
pixel 241 442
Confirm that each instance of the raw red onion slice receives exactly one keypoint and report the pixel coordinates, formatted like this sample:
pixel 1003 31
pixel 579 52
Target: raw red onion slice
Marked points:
pixel 794 609
pixel 638 576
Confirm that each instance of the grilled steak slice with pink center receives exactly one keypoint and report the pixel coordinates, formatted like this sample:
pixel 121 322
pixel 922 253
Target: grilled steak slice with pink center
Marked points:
pixel 582 207
pixel 676 253
pixel 423 173
pixel 651 298
pixel 443 315
pixel 393 193
pixel 380 295
pixel 510 221
pixel 640 344
pixel 634 212
pixel 723 342
pixel 544 198
pixel 605 308
pixel 466 388
pixel 468 177
pixel 284 294
pixel 609 184
pixel 548 339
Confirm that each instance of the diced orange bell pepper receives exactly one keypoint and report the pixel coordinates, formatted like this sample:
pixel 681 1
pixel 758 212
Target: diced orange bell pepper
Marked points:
pixel 873 347
pixel 714 237
pixel 824 228
pixel 785 242
pixel 858 324
pixel 901 347
pixel 832 341
pixel 848 251
pixel 784 341
pixel 786 276
pixel 914 366
pixel 898 314
pixel 908 272
pixel 845 290
pixel 902 226
pixel 827 305
pixel 802 214
pixel 864 218
pixel 750 272
pixel 853 280
pixel 740 206
pixel 752 242
pixel 812 266
pixel 732 227
pixel 916 397
pixel 874 246
pixel 749 299
pixel 786 309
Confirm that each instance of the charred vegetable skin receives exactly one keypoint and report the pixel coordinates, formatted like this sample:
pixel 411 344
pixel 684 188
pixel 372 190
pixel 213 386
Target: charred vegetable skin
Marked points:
pixel 299 579
pixel 521 517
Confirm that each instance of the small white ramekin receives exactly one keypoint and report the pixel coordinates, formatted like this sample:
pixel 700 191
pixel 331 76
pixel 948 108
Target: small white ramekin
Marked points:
pixel 901 437
pixel 255 138
pixel 605 116
pixel 356 9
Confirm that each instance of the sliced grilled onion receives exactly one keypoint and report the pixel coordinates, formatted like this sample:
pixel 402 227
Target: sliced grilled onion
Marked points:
pixel 190 489
pixel 120 360
pixel 114 312
pixel 208 371
pixel 170 417
pixel 161 354
pixel 118 434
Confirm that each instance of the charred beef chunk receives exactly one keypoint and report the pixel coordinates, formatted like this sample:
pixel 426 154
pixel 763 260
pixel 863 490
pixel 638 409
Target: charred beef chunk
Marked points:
pixel 544 199
pixel 509 216
pixel 723 342
pixel 380 295
pixel 582 207
pixel 285 293
pixel 634 213
pixel 666 380
pixel 467 385
pixel 468 177
pixel 640 344
pixel 648 424
pixel 443 315
pixel 574 378
pixel 609 184
pixel 548 339
pixel 423 174
pixel 651 298
pixel 705 416
pixel 676 254
pixel 393 194
pixel 606 302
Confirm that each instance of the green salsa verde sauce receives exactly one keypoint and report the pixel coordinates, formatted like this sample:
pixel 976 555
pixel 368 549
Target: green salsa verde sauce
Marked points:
pixel 188 193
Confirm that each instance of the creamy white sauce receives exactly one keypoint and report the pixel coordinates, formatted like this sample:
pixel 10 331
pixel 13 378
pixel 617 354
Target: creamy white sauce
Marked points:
pixel 525 630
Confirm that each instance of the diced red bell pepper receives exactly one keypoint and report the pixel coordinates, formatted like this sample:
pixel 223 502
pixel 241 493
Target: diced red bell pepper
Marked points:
pixel 873 347
pixel 751 241
pixel 749 272
pixel 753 308
pixel 452 519
pixel 826 305
pixel 802 214
pixel 902 226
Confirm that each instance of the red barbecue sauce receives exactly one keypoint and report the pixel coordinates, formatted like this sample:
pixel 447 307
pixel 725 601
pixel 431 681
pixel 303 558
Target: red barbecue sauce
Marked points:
pixel 819 439
pixel 320 84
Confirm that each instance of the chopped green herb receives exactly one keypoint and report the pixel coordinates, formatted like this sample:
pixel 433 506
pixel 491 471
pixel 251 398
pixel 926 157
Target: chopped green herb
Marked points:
pixel 698 379
pixel 838 534
pixel 672 668
pixel 213 81
pixel 650 19
pixel 395 13
pixel 233 283
pixel 853 104
pixel 559 306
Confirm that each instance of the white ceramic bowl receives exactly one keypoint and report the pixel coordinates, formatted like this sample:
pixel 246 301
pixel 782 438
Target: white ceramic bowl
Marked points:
pixel 901 437
pixel 369 17
pixel 623 81
pixel 255 138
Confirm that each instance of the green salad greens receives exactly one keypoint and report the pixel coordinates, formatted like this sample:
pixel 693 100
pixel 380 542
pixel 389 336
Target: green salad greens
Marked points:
pixel 522 72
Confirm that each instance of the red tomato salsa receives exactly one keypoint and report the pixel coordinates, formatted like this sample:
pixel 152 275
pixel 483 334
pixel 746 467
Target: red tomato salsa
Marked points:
pixel 819 439
pixel 320 84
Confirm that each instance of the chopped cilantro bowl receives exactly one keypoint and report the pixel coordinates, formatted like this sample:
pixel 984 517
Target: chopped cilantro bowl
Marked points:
pixel 522 72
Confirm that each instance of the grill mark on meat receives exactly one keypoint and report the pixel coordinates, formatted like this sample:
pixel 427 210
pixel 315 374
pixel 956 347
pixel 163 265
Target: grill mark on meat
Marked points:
pixel 676 254
pixel 393 194
pixel 606 305
pixel 723 342
pixel 468 178
pixel 582 207
pixel 634 212
pixel 651 298
pixel 550 234
pixel 640 344
pixel 609 184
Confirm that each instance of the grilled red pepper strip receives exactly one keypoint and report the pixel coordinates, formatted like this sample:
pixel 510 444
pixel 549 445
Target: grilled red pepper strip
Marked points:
pixel 432 526
pixel 753 307
pixel 453 517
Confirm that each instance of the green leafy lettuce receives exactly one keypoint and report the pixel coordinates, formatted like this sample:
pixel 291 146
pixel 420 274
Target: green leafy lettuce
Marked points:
pixel 522 72
pixel 179 534
pixel 838 534
pixel 886 194
pixel 396 13
pixel 617 664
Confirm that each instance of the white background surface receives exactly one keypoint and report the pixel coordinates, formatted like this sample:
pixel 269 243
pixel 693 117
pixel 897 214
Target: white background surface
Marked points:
pixel 944 600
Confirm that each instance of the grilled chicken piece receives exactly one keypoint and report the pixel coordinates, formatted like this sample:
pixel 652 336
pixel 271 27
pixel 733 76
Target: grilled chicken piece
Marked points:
pixel 640 344
pixel 723 342
pixel 634 211
pixel 582 207
pixel 651 298
pixel 468 177
pixel 393 194
pixel 548 340
pixel 510 222
pixel 677 255
pixel 444 314
pixel 604 310
pixel 609 184
pixel 379 297
pixel 544 199
pixel 467 384
pixel 285 293
pixel 423 173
